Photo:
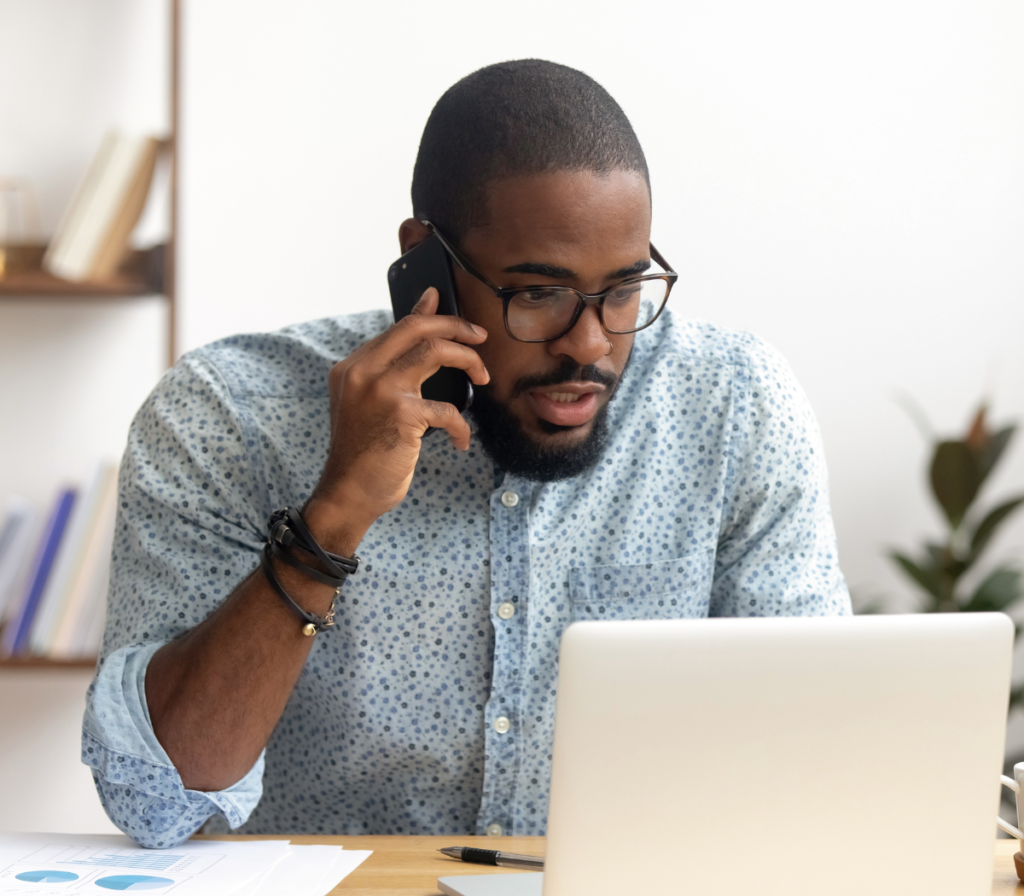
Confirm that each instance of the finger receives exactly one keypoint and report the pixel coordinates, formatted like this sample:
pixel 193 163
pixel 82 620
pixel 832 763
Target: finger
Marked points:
pixel 447 325
pixel 427 303
pixel 414 329
pixel 425 358
pixel 382 351
pixel 442 415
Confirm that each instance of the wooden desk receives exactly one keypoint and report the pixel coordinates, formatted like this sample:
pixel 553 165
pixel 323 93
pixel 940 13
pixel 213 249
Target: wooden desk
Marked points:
pixel 410 866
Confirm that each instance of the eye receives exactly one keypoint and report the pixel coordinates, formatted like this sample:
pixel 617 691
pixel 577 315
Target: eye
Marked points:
pixel 536 297
pixel 624 293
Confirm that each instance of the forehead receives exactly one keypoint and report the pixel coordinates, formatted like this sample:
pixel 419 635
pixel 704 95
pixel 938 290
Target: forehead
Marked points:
pixel 563 215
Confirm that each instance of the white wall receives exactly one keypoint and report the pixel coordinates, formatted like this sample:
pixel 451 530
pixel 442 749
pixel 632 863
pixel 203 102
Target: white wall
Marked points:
pixel 43 784
pixel 71 374
pixel 842 178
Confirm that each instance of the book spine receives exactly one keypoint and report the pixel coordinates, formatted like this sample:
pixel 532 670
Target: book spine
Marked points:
pixel 96 561
pixel 73 545
pixel 115 243
pixel 69 229
pixel 15 636
pixel 103 207
pixel 10 543
pixel 15 565
pixel 89 637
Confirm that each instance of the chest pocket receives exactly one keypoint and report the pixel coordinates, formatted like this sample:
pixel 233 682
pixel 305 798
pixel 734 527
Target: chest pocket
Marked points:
pixel 668 589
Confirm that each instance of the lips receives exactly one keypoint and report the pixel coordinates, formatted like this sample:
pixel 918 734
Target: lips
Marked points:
pixel 567 404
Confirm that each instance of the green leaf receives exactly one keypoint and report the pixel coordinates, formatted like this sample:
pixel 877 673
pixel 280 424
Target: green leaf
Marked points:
pixel 1001 589
pixel 871 608
pixel 987 527
pixel 954 477
pixel 927 578
pixel 944 561
pixel 988 457
pixel 1016 696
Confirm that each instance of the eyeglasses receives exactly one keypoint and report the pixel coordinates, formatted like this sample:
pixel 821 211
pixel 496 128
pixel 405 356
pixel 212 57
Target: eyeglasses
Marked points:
pixel 547 313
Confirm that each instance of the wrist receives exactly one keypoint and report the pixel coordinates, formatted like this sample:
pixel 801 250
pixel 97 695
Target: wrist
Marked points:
pixel 337 525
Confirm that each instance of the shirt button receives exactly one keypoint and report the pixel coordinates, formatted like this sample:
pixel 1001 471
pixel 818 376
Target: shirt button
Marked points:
pixel 494 830
pixel 507 610
pixel 509 499
pixel 501 724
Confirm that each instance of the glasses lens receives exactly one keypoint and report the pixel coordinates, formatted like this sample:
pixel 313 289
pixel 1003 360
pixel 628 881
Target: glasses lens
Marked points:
pixel 538 314
pixel 633 305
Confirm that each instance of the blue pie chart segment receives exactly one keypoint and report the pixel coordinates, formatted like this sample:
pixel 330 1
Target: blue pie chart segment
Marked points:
pixel 46 877
pixel 132 882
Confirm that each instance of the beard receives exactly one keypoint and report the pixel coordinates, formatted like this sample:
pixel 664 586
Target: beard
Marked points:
pixel 503 438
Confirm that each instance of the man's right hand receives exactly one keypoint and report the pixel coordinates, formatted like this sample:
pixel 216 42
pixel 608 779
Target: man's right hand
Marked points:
pixel 378 419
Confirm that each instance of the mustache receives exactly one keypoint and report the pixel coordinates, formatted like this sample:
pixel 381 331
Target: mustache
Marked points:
pixel 569 372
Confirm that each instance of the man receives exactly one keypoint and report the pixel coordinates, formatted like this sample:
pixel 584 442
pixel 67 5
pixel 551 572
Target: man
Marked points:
pixel 607 472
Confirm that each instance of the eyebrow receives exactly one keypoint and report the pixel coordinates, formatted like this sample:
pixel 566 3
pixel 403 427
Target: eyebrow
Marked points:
pixel 638 267
pixel 541 270
pixel 559 273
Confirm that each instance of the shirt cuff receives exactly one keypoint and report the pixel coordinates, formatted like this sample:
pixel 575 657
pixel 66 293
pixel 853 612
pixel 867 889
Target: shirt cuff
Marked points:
pixel 138 784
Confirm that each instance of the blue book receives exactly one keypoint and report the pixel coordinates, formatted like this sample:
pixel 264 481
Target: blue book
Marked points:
pixel 16 633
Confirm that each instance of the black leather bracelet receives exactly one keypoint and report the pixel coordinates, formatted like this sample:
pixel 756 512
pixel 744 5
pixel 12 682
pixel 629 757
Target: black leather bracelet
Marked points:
pixel 289 530
pixel 277 551
pixel 287 527
pixel 314 623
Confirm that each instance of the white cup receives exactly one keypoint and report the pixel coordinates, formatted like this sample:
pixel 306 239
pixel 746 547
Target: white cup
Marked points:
pixel 1016 784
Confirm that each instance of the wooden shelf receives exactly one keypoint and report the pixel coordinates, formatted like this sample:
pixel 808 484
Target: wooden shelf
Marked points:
pixel 142 274
pixel 42 662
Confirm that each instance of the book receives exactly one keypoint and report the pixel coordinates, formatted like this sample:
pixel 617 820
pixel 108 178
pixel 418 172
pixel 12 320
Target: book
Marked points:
pixel 70 224
pixel 16 632
pixel 93 618
pixel 81 529
pixel 74 633
pixel 15 549
pixel 115 243
pixel 92 238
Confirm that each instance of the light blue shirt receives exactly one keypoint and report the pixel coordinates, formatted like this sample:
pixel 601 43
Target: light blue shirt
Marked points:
pixel 429 707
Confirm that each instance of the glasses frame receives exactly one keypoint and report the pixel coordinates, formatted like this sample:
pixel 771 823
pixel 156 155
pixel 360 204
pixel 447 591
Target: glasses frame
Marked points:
pixel 506 294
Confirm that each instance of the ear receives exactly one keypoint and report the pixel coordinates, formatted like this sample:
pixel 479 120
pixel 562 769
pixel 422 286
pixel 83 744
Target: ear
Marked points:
pixel 411 232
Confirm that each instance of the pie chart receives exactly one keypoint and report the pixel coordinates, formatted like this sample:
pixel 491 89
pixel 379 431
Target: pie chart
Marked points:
pixel 46 877
pixel 132 882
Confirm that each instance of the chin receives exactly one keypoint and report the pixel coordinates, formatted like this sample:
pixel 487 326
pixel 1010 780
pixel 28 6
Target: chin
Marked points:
pixel 533 451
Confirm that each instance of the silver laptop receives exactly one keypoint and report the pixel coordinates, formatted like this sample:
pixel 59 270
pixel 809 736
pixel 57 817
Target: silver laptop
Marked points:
pixel 777 756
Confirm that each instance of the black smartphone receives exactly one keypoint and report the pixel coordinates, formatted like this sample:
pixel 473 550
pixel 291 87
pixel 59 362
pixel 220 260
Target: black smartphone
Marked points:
pixel 413 274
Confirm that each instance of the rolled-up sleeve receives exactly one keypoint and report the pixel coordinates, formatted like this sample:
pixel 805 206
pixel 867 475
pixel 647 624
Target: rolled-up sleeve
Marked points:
pixel 777 553
pixel 188 530
pixel 139 787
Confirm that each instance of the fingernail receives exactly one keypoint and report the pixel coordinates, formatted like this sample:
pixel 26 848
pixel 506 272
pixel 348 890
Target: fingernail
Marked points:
pixel 480 331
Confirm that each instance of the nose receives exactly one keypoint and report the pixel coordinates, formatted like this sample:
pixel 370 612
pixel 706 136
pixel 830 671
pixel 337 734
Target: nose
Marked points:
pixel 586 343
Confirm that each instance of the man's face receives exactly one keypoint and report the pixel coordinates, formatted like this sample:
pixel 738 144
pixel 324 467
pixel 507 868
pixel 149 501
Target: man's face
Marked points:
pixel 579 229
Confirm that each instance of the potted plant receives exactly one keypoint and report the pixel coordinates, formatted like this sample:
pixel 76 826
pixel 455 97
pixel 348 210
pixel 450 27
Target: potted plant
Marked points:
pixel 958 470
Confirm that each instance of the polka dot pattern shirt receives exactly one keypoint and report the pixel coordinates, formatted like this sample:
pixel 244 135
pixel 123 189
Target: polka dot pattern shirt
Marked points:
pixel 429 707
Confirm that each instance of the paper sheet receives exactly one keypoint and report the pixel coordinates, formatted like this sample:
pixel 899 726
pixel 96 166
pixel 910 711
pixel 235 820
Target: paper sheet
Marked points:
pixel 34 864
pixel 342 867
pixel 310 871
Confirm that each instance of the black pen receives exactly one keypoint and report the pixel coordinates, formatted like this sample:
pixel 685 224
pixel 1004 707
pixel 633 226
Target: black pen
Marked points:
pixel 492 857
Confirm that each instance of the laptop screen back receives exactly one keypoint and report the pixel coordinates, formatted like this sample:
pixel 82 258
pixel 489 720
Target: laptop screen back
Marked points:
pixel 779 756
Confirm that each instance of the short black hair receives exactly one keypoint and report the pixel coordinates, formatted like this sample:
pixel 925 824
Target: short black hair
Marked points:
pixel 510 119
